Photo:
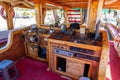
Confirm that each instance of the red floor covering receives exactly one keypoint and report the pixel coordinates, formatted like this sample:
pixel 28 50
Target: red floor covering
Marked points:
pixel 35 70
pixel 113 67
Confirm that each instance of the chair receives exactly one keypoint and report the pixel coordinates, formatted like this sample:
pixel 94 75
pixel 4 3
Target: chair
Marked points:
pixel 5 66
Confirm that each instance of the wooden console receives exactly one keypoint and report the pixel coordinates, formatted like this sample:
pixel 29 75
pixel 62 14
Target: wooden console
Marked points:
pixel 77 59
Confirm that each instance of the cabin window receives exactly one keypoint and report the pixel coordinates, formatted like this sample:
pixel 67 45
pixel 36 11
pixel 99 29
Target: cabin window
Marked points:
pixel 3 21
pixel 49 18
pixel 23 17
pixel 59 16
pixel 111 16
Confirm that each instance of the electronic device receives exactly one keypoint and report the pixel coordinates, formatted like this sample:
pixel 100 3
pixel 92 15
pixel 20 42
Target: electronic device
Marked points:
pixel 86 51
pixel 63 28
pixel 43 31
pixel 34 27
pixel 72 51
pixel 51 29
pixel 69 32
pixel 79 55
pixel 74 26
pixel 63 52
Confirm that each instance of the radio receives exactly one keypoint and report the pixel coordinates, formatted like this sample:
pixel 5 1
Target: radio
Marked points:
pixel 86 51
pixel 63 52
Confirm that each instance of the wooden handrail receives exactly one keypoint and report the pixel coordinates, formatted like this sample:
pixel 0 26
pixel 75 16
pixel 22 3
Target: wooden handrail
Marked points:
pixel 104 57
pixel 112 29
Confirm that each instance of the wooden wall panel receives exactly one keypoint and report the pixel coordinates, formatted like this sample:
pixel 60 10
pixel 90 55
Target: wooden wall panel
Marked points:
pixel 16 51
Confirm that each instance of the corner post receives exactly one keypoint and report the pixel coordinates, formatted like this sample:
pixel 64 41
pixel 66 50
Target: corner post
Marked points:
pixel 38 13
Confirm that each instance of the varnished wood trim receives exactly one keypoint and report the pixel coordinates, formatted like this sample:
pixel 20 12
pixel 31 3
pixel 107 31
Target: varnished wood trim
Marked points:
pixel 48 27
pixel 10 40
pixel 85 46
pixel 104 57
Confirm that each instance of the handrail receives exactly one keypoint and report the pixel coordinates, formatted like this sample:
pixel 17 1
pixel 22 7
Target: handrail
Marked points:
pixel 112 29
pixel 104 57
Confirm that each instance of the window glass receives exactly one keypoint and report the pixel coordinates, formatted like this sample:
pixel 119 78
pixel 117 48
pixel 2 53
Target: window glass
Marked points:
pixel 60 15
pixel 111 16
pixel 49 18
pixel 23 17
pixel 3 21
pixel 51 15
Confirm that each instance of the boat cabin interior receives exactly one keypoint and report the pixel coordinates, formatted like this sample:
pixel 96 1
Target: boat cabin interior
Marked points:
pixel 61 40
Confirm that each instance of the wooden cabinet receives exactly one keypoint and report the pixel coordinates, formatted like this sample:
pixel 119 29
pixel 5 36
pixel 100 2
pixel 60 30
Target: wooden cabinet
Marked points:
pixel 75 68
pixel 78 59
pixel 72 67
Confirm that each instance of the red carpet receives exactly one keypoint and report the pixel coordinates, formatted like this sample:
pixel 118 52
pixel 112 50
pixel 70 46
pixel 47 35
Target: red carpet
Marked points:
pixel 34 70
pixel 113 64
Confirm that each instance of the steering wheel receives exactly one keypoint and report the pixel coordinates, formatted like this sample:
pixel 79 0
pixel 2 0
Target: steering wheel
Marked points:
pixel 32 38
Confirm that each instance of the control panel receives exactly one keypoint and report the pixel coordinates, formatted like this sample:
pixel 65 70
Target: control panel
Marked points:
pixel 63 52
pixel 71 51
pixel 86 51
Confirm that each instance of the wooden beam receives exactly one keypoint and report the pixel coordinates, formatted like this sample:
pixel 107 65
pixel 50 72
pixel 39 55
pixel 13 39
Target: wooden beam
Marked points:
pixel 7 1
pixel 24 2
pixel 115 5
pixel 99 12
pixel 58 5
pixel 43 5
pixel 38 14
pixel 66 17
pixel 93 5
pixel 88 14
pixel 70 1
pixel 111 7
pixel 9 15
pixel 108 2
pixel 36 1
pixel 76 5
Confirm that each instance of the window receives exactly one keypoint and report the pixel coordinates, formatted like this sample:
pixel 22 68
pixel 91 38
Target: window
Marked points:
pixel 23 17
pixel 3 21
pixel 49 18
pixel 111 16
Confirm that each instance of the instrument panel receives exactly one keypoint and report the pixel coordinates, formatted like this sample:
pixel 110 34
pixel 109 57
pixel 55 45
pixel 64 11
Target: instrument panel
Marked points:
pixel 76 52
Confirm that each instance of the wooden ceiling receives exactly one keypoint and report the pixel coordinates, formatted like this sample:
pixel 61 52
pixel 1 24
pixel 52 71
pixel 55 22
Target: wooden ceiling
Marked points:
pixel 111 4
pixel 70 3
